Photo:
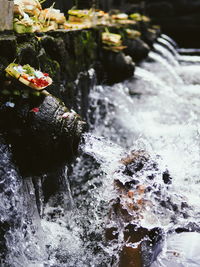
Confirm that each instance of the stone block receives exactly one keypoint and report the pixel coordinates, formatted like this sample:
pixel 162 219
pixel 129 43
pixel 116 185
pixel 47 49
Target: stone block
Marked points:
pixel 6 15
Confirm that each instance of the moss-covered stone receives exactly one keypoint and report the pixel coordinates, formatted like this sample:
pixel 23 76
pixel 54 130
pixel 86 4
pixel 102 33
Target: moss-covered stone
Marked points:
pixel 50 66
pixel 44 134
pixel 66 54
pixel 7 46
pixel 27 53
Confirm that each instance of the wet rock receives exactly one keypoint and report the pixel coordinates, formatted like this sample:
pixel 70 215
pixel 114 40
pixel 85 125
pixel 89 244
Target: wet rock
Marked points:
pixel 64 55
pixel 26 52
pixel 140 245
pixel 150 35
pixel 117 66
pixel 137 49
pixel 144 253
pixel 43 132
pixel 55 48
pixel 56 192
pixel 7 46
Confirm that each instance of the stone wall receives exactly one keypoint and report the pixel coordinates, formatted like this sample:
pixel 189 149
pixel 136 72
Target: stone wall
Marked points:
pixel 68 55
pixel 76 61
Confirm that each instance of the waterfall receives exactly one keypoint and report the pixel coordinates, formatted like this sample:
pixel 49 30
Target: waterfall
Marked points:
pixel 159 115
pixel 166 54
pixel 155 116
pixel 189 60
pixel 166 67
pixel 169 46
pixel 152 80
pixel 169 39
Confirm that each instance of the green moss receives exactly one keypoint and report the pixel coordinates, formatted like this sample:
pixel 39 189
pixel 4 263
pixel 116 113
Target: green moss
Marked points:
pixel 85 49
pixel 27 53
pixel 23 46
pixel 3 64
pixel 52 67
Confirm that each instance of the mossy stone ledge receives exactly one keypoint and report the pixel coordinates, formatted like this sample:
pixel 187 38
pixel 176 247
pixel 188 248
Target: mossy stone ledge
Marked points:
pixel 66 54
pixel 68 57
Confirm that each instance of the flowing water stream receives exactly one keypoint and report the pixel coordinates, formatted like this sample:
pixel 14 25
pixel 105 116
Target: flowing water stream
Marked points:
pixel 157 111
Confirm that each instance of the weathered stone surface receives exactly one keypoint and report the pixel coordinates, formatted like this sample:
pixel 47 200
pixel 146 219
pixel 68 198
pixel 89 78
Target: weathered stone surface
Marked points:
pixel 6 15
pixel 137 49
pixel 67 57
pixel 117 66
pixel 141 245
pixel 44 138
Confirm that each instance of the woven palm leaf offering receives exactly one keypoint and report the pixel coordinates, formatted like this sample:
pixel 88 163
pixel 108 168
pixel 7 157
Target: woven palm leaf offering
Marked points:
pixel 121 18
pixel 23 25
pixel 78 15
pixel 29 17
pixel 29 76
pixel 112 41
pixel 30 7
pixel 51 19
pixel 79 19
pixel 26 14
pixel 101 18
pixel 139 17
pixel 132 34
pixel 76 26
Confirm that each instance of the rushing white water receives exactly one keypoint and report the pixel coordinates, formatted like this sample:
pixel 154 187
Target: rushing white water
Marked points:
pixel 180 250
pixel 170 47
pixel 157 111
pixel 171 76
pixel 161 116
pixel 166 54
pixel 169 39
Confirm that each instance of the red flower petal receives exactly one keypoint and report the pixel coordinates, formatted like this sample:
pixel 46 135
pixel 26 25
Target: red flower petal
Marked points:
pixel 34 110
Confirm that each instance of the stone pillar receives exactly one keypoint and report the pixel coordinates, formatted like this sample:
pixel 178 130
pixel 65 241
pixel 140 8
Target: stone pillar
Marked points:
pixel 6 15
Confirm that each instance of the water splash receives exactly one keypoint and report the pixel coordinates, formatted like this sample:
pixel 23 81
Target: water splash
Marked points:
pixel 157 111
pixel 170 40
pixel 171 76
pixel 169 46
pixel 166 54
